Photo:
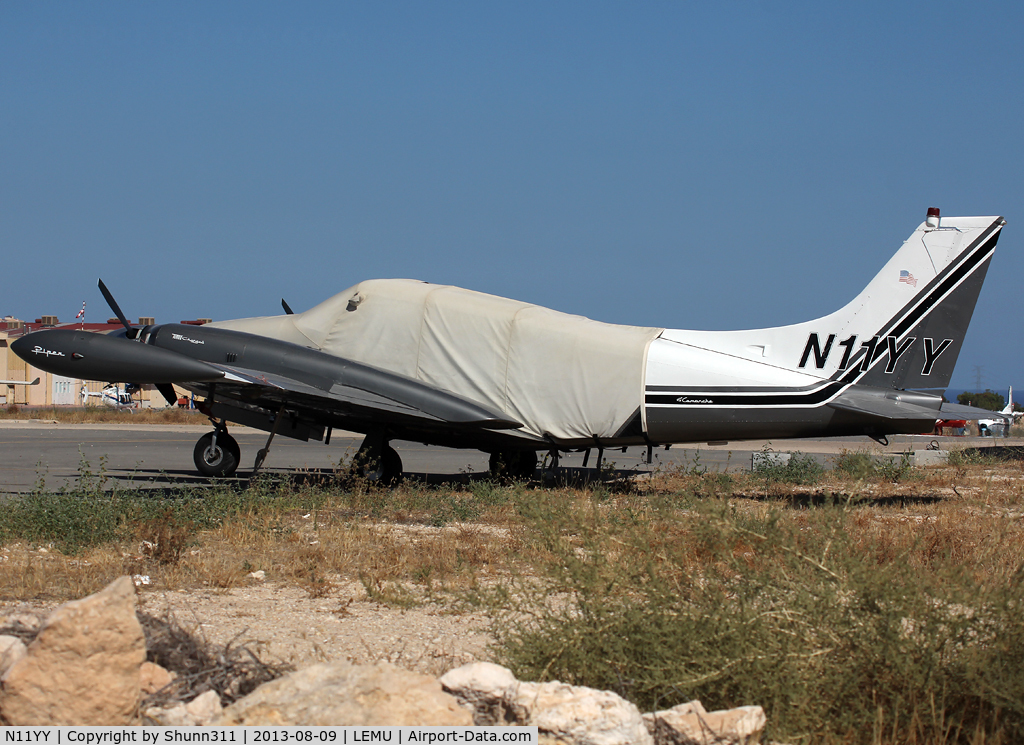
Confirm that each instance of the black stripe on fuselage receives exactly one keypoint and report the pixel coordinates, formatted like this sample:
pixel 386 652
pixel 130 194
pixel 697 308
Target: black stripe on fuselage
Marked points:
pixel 811 396
pixel 702 397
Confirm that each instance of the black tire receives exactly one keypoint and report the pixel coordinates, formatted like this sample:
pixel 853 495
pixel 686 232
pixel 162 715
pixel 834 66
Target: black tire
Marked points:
pixel 219 461
pixel 386 471
pixel 391 467
pixel 515 465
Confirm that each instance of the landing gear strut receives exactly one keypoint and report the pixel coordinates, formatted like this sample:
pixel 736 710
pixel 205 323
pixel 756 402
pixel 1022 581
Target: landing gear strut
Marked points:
pixel 261 456
pixel 216 453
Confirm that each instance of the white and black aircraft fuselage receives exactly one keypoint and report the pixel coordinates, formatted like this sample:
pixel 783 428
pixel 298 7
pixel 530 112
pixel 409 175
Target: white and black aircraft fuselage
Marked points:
pixel 406 360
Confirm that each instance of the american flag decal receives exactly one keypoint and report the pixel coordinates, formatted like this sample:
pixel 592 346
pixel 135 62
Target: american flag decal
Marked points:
pixel 907 277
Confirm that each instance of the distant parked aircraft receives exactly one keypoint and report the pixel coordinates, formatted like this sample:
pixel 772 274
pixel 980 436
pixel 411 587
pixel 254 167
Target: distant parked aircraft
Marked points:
pixel 117 396
pixel 13 383
pixel 1002 422
pixel 20 382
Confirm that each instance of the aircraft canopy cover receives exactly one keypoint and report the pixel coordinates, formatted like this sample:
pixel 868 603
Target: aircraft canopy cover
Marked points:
pixel 563 376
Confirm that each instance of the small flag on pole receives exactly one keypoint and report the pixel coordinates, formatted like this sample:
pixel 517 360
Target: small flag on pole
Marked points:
pixel 907 277
pixel 81 313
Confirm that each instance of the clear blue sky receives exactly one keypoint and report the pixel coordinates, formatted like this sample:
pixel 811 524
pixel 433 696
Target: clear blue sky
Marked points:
pixel 681 164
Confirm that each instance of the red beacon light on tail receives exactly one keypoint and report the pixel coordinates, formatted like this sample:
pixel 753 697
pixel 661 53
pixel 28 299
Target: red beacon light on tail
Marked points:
pixel 932 221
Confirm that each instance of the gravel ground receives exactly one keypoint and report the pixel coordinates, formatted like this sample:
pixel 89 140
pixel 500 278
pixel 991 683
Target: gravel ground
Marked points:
pixel 287 625
pixel 284 624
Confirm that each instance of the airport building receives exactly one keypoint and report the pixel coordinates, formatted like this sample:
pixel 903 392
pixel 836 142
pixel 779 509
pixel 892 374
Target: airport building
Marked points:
pixel 56 390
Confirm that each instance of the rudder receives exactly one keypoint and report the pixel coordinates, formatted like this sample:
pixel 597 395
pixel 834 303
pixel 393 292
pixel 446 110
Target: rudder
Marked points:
pixel 918 348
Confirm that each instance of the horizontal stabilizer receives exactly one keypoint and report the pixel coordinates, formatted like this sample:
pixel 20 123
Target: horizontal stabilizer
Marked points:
pixel 888 404
pixel 959 411
pixel 905 405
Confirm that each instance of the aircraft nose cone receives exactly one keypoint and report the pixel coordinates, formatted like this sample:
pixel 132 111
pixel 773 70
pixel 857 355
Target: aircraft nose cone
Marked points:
pixel 50 349
pixel 22 347
pixel 80 354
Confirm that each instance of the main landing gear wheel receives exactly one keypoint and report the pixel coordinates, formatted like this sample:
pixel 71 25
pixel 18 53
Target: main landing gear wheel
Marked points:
pixel 385 469
pixel 220 459
pixel 391 467
pixel 517 465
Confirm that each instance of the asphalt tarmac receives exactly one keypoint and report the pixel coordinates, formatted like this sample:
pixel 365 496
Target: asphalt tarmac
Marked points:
pixel 54 455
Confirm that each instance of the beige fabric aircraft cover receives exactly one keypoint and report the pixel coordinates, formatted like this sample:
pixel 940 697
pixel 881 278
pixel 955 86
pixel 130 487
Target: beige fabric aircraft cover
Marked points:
pixel 561 375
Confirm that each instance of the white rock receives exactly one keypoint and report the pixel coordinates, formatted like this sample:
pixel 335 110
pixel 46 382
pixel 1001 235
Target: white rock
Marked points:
pixel 690 724
pixel 172 716
pixel 83 667
pixel 204 707
pixel 691 707
pixel 12 649
pixel 484 688
pixel 152 678
pixel 561 713
pixel 342 693
pixel 578 715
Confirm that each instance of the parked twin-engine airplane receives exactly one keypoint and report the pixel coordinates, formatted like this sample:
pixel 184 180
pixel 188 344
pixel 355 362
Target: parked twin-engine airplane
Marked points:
pixel 407 360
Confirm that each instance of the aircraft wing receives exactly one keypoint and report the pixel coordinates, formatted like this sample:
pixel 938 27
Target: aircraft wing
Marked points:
pixel 377 398
pixel 317 389
pixel 20 382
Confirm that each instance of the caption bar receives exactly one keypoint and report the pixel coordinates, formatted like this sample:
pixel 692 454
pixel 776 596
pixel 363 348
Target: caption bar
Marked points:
pixel 261 735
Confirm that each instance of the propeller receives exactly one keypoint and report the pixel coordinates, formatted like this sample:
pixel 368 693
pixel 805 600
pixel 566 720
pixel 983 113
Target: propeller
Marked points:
pixel 166 389
pixel 117 310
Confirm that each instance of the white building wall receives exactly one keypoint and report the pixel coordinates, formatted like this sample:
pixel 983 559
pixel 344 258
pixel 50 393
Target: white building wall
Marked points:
pixel 63 390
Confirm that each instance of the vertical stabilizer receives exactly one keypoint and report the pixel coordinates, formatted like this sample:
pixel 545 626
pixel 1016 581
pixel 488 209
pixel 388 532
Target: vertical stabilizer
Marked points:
pixel 903 331
pixel 919 346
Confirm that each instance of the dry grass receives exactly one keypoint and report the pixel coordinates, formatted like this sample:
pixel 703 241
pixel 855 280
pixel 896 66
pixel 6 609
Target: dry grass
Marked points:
pixel 390 541
pixel 40 573
pixel 459 545
pixel 854 609
pixel 407 536
pixel 233 670
pixel 969 513
pixel 413 534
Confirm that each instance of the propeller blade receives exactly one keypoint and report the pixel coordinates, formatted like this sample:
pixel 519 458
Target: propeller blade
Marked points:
pixel 117 310
pixel 287 309
pixel 168 393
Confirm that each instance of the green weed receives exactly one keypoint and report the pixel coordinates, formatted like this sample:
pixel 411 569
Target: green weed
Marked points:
pixel 799 469
pixel 865 466
pixel 822 626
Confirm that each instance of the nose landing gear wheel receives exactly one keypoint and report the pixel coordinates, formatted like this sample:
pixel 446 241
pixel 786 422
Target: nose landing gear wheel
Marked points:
pixel 220 459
